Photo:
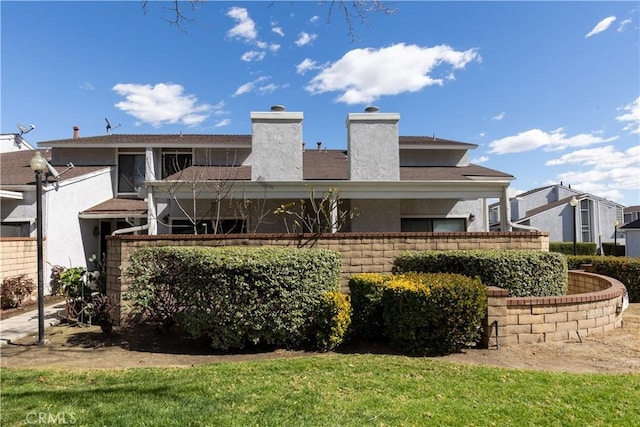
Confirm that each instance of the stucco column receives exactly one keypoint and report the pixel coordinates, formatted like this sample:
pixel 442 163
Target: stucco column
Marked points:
pixel 152 208
pixel 505 210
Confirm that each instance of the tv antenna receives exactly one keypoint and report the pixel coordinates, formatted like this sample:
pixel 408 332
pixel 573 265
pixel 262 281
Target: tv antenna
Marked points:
pixel 24 129
pixel 109 127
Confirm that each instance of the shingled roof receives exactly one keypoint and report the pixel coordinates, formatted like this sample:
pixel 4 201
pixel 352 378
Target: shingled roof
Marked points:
pixel 15 169
pixel 149 140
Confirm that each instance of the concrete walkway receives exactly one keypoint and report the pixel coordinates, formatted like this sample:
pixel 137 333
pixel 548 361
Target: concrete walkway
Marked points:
pixel 20 326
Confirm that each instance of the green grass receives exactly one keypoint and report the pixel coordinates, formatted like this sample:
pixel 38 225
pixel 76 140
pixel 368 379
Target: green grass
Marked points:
pixel 329 390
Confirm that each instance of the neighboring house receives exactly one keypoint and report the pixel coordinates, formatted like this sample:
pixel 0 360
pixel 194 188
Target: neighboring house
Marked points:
pixel 631 213
pixel 68 241
pixel 159 184
pixel 549 209
pixel 631 231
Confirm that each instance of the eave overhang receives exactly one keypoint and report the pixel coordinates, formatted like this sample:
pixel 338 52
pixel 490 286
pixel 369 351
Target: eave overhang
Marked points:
pixel 467 189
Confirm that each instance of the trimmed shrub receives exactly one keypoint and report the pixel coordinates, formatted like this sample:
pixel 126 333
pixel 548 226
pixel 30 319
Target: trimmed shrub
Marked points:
pixel 15 290
pixel 624 269
pixel 612 249
pixel 155 276
pixel 365 291
pixel 522 272
pixel 566 248
pixel 435 313
pixel 235 296
pixel 332 320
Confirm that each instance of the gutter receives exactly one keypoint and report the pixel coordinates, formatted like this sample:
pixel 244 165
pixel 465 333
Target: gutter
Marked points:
pixel 131 229
pixel 507 211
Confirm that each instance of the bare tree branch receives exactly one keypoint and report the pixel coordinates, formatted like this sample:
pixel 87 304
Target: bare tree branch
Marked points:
pixel 352 10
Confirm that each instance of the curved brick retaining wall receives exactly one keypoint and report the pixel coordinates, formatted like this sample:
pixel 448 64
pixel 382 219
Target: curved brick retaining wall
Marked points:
pixel 593 304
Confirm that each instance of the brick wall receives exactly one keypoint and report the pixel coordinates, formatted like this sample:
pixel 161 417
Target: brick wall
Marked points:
pixel 361 252
pixel 19 255
pixel 592 305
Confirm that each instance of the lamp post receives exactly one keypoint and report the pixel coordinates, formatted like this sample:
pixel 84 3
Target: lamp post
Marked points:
pixel 615 237
pixel 39 165
pixel 574 203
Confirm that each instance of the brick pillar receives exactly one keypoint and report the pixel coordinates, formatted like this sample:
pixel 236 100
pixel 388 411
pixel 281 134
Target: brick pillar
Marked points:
pixel 496 312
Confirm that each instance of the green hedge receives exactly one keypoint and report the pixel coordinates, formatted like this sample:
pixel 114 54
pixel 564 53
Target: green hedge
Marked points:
pixel 567 248
pixel 418 313
pixel 608 248
pixel 235 296
pixel 624 269
pixel 365 291
pixel 522 272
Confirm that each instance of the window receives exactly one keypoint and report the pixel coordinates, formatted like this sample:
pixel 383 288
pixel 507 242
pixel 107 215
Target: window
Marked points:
pixel 131 172
pixel 14 229
pixel 433 224
pixel 173 161
pixel 585 220
pixel 225 226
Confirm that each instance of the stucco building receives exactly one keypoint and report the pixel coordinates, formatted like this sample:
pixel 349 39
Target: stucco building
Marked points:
pixel 192 183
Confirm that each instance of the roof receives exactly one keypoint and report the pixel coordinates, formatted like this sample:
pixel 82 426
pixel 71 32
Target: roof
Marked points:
pixel 534 190
pixel 633 225
pixel 333 165
pixel 433 142
pixel 148 140
pixel 544 208
pixel 211 173
pixel 451 173
pixel 630 209
pixel 117 208
pixel 325 164
pixel 15 168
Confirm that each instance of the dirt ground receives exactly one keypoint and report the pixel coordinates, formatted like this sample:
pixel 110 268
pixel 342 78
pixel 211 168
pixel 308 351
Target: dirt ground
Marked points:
pixel 616 351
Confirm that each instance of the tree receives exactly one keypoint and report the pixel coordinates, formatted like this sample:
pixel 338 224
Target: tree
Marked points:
pixel 316 215
pixel 351 9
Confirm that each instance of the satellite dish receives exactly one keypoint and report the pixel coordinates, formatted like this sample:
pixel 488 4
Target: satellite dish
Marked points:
pixel 109 127
pixel 24 129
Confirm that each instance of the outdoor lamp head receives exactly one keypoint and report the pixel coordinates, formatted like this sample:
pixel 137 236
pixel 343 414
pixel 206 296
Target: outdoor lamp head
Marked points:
pixel 38 163
pixel 573 202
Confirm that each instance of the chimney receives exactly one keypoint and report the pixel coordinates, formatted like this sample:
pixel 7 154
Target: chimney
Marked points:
pixel 76 132
pixel 373 146
pixel 319 145
pixel 276 145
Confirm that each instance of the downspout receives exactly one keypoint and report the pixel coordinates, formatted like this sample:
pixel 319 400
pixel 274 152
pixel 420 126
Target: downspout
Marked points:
pixel 507 211
pixel 131 229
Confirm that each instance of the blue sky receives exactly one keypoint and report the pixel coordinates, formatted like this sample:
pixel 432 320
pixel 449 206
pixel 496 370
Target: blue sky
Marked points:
pixel 549 91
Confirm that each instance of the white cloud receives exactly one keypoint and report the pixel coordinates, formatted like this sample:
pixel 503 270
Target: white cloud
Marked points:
pixel 245 27
pixel 364 75
pixel 479 160
pixel 499 116
pixel 222 123
pixel 278 31
pixel 306 65
pixel 606 170
pixel 249 86
pixel 305 39
pixel 256 86
pixel 601 26
pixel 253 55
pixel 623 25
pixel 549 141
pixel 163 103
pixel 314 19
pixel 632 117
pixel 86 86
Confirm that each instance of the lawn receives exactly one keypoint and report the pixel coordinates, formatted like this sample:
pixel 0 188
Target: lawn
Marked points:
pixel 325 390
